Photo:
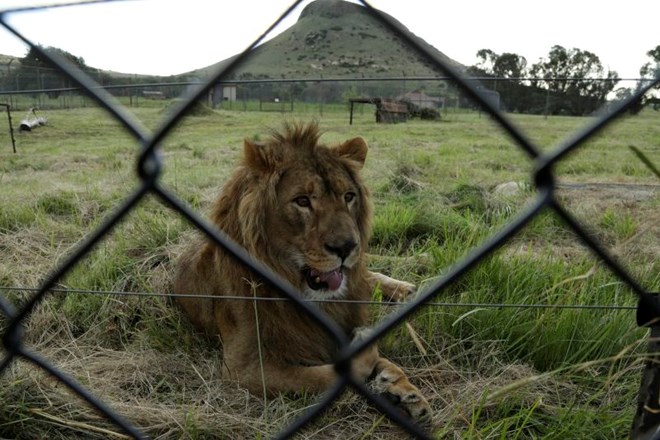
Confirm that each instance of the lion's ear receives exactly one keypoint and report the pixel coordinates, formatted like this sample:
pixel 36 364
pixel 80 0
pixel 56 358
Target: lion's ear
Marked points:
pixel 354 150
pixel 259 156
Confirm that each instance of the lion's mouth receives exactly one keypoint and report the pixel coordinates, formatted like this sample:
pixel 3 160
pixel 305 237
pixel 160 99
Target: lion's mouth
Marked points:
pixel 317 280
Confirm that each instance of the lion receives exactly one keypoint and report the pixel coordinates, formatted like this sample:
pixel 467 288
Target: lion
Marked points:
pixel 301 208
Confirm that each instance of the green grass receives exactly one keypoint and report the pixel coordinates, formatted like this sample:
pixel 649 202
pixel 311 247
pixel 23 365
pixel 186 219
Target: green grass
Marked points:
pixel 489 371
pixel 621 225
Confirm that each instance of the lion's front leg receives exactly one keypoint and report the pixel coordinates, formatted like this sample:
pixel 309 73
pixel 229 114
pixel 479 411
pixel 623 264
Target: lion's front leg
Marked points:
pixel 391 382
pixel 273 376
pixel 393 289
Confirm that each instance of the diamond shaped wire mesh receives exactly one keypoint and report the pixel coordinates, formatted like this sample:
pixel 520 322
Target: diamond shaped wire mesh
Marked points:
pixel 149 166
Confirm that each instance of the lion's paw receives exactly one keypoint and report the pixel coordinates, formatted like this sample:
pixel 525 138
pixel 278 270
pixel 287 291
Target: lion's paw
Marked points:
pixel 392 289
pixel 401 290
pixel 392 383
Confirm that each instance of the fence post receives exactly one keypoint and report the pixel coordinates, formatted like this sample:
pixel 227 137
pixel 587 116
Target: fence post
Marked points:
pixel 646 423
pixel 11 127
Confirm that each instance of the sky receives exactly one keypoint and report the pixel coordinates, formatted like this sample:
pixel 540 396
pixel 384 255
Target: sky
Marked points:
pixel 166 37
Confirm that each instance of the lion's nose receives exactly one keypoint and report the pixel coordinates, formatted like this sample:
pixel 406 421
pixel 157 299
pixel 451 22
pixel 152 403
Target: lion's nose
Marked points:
pixel 342 250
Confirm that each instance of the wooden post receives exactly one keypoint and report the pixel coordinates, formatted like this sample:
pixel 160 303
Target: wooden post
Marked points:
pixel 351 119
pixel 646 423
pixel 11 127
pixel 647 417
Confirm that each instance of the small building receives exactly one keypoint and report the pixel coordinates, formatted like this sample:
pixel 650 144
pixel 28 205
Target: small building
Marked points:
pixel 222 92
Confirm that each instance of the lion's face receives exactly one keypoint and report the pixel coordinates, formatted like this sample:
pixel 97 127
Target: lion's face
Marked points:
pixel 317 215
pixel 316 228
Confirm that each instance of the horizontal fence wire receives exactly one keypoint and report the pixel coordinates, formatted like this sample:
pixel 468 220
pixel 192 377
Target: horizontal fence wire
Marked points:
pixel 329 301
pixel 149 165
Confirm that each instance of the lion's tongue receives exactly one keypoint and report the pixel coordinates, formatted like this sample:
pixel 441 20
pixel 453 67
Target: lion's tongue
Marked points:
pixel 333 278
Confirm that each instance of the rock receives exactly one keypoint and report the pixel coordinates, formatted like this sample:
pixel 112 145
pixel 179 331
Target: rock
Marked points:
pixel 510 189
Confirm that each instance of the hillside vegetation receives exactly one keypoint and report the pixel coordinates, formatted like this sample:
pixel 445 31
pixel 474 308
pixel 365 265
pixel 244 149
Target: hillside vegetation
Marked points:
pixel 334 38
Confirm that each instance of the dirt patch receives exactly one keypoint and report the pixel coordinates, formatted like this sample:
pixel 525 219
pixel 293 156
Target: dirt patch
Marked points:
pixel 623 218
pixel 610 191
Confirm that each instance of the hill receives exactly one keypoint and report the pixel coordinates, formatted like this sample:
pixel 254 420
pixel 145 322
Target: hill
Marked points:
pixel 335 38
pixel 10 64
pixel 332 38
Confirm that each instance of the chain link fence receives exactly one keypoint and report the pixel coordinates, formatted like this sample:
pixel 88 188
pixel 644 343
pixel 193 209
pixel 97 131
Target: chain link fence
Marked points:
pixel 149 168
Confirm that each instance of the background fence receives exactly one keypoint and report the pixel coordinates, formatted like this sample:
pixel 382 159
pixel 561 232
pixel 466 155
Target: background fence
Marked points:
pixel 150 163
pixel 268 94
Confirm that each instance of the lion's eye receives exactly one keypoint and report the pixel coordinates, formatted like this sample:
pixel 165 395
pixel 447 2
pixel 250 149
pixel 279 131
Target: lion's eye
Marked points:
pixel 349 197
pixel 303 201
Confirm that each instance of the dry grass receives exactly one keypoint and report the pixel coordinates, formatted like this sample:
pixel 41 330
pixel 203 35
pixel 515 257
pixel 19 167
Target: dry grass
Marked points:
pixel 177 393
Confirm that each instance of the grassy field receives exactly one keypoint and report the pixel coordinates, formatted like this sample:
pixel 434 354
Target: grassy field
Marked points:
pixel 489 371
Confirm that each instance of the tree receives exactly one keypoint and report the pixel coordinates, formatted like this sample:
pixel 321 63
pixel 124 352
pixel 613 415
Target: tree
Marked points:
pixel 510 65
pixel 487 58
pixel 577 76
pixel 507 65
pixel 649 71
pixel 37 72
pixel 507 71
pixel 34 58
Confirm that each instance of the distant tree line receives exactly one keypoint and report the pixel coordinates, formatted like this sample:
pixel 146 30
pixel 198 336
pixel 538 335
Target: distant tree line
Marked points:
pixel 36 72
pixel 567 81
